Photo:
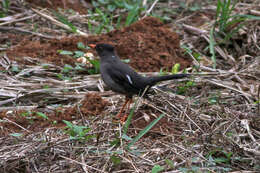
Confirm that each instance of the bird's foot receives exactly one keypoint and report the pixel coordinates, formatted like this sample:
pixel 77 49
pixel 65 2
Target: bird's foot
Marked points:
pixel 123 119
pixel 120 119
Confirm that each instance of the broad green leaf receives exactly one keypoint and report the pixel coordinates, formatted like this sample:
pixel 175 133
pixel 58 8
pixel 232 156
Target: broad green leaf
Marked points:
pixel 157 168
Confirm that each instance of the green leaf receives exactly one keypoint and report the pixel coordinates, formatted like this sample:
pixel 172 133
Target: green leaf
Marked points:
pixel 119 4
pixel 94 3
pixel 5 5
pixel 77 132
pixel 78 54
pixel 115 142
pixel 145 130
pixel 16 134
pixel 111 7
pixel 103 2
pixel 65 21
pixel 40 114
pixel 115 159
pixel 79 68
pixel 80 45
pixel 15 69
pixel 128 6
pixel 67 68
pixel 169 163
pixel 157 168
pixel 96 64
pixel 132 15
pixel 25 114
pixel 65 52
pixel 69 124
pixel 45 66
pixel 126 60
pixel 62 77
pixel 176 68
pixel 129 118
pixel 103 15
pixel 118 22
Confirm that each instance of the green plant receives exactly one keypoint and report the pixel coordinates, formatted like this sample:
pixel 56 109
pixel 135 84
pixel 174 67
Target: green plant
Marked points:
pixel 15 69
pixel 77 54
pixel 219 156
pixel 157 169
pixel 227 25
pixel 175 68
pixel 212 47
pixel 134 13
pixel 131 141
pixel 16 134
pixel 77 132
pixel 106 19
pixel 65 21
pixel 169 163
pixel 144 131
pixel 63 77
pixel 42 115
pixel 5 8
pixel 31 116
pixel 187 85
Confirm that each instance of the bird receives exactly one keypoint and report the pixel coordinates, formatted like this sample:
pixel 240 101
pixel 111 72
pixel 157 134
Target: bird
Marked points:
pixel 123 79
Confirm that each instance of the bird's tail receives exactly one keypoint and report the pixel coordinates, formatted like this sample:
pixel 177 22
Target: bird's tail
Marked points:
pixel 154 79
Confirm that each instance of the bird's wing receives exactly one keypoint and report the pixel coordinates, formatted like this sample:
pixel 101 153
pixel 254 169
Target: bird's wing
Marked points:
pixel 126 77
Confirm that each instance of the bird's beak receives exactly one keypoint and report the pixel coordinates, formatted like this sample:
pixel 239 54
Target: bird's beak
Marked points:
pixel 92 46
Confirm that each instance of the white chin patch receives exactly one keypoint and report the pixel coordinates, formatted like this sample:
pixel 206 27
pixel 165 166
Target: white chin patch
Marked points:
pixel 129 79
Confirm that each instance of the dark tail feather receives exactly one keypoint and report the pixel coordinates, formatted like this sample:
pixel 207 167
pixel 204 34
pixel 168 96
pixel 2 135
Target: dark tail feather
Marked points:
pixel 154 79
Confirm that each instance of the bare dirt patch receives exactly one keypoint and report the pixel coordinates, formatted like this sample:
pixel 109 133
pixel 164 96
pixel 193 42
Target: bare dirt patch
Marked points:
pixel 149 44
pixel 31 121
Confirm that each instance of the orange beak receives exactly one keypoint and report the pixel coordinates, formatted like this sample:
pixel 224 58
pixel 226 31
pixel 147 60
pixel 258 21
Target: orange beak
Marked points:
pixel 92 46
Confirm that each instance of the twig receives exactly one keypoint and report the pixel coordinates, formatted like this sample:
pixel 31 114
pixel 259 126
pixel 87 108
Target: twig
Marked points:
pixel 254 12
pixel 75 161
pixel 151 8
pixel 56 22
pixel 16 124
pixel 246 95
pixel 194 30
pixel 17 20
pixel 17 108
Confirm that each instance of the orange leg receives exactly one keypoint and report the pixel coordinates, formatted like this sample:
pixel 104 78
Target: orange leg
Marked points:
pixel 123 119
pixel 123 107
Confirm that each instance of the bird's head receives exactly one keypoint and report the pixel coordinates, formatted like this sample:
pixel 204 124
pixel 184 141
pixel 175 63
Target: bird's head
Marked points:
pixel 103 49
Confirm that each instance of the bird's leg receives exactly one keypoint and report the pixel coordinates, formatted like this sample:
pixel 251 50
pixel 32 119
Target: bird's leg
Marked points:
pixel 123 107
pixel 127 110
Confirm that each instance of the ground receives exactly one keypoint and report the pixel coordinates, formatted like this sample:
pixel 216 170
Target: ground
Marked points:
pixel 210 122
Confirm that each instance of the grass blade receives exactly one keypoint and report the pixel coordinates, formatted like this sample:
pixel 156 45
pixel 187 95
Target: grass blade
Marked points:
pixel 145 130
pixel 129 118
pixel 211 47
pixel 65 21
